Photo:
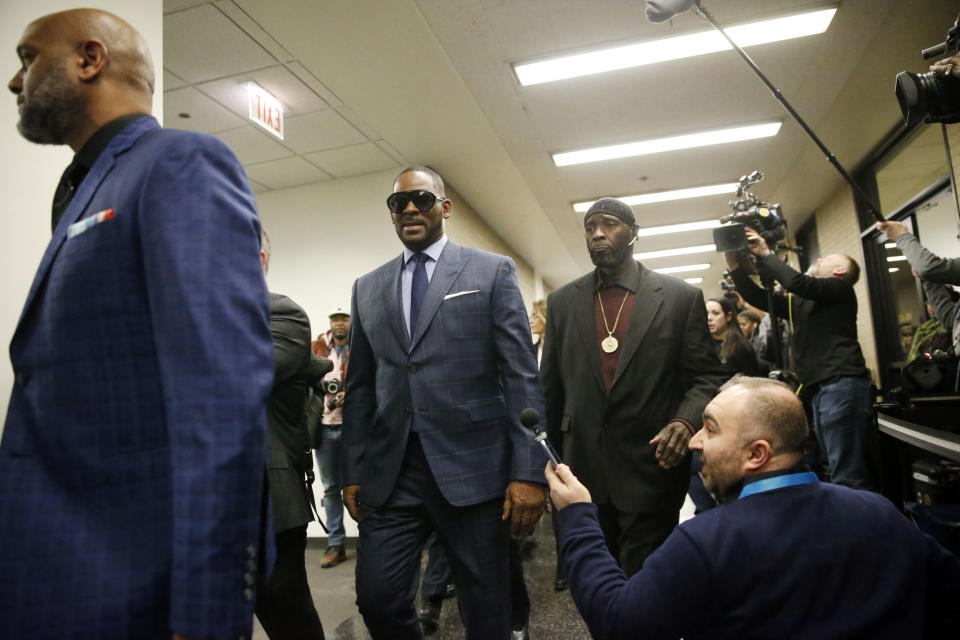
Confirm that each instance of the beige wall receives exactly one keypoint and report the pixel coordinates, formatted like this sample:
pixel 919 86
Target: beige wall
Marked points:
pixel 30 172
pixel 838 232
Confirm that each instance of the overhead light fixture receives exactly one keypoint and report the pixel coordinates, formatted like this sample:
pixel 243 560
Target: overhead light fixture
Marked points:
pixel 890 245
pixel 684 268
pixel 896 258
pixel 893 269
pixel 674 48
pixel 680 251
pixel 693 280
pixel 670 143
pixel 665 196
pixel 677 228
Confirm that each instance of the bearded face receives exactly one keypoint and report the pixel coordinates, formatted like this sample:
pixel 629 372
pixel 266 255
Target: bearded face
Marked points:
pixel 50 107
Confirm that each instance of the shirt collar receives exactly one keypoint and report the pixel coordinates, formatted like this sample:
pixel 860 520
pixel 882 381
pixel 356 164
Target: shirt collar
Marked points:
pixel 433 250
pixel 629 280
pixel 87 155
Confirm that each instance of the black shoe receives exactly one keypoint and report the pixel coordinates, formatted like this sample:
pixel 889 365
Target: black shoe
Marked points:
pixel 521 632
pixel 561 584
pixel 429 615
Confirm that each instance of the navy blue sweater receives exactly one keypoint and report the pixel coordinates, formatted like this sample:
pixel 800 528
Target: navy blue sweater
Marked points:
pixel 814 561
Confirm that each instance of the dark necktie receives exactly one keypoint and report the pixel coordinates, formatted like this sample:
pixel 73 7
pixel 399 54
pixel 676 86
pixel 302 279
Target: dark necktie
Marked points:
pixel 66 188
pixel 418 288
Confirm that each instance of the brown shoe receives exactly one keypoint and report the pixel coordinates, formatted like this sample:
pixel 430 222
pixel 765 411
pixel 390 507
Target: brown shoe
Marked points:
pixel 333 556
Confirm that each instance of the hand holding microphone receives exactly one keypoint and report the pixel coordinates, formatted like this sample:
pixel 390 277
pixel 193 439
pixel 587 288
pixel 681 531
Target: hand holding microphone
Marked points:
pixel 530 419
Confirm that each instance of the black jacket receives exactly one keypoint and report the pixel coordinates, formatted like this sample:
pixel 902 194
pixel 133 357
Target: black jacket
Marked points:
pixel 824 320
pixel 667 369
pixel 287 440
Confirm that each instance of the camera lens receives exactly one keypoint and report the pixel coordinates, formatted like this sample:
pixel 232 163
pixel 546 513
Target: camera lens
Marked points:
pixel 932 97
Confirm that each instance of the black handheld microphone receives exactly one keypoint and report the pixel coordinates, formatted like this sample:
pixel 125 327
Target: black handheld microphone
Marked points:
pixel 530 419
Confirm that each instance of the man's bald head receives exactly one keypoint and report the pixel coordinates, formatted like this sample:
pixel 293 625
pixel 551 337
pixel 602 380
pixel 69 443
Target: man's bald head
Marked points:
pixel 773 413
pixel 79 70
pixel 127 52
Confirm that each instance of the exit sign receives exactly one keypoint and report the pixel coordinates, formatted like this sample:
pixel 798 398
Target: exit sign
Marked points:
pixel 265 110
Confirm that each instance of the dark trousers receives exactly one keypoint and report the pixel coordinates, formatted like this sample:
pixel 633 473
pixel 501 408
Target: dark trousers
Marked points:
pixel 284 605
pixel 631 537
pixel 701 498
pixel 437 575
pixel 388 556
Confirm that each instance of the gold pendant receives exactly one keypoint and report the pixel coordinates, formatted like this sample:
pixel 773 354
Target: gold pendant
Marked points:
pixel 609 344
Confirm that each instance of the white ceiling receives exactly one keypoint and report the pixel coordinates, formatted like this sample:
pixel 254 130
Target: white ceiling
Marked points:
pixel 370 84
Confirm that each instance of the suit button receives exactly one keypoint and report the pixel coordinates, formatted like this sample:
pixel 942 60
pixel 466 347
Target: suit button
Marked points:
pixel 412 368
pixel 248 595
pixel 248 578
pixel 252 551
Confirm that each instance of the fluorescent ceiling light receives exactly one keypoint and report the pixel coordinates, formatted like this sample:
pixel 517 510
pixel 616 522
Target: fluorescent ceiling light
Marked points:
pixel 670 143
pixel 693 280
pixel 680 251
pixel 893 269
pixel 684 268
pixel 677 228
pixel 896 258
pixel 661 50
pixel 890 245
pixel 664 196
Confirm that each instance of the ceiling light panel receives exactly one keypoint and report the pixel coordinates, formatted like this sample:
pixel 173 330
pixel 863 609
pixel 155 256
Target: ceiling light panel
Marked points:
pixel 684 268
pixel 661 50
pixel 680 251
pixel 671 143
pixel 665 196
pixel 693 280
pixel 645 232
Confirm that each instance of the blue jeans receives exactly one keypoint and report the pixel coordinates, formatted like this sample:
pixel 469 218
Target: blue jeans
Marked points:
pixel 328 459
pixel 843 418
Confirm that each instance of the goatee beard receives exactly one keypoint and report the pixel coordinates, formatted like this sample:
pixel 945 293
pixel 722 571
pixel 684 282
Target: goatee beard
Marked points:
pixel 613 258
pixel 51 110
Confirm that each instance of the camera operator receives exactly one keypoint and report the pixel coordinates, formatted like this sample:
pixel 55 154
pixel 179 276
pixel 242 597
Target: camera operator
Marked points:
pixel 823 309
pixel 933 271
pixel 334 345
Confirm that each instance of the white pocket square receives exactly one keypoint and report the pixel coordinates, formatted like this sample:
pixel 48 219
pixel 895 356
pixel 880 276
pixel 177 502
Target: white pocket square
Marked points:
pixel 460 293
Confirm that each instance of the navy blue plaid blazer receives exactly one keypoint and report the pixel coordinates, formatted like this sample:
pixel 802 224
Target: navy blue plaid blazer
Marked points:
pixel 132 461
pixel 461 381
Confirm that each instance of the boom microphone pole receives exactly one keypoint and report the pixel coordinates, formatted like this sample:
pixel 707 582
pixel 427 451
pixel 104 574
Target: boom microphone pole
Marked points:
pixel 666 10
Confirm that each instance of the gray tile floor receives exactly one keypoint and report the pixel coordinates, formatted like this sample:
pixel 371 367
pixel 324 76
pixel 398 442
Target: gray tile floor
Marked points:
pixel 553 615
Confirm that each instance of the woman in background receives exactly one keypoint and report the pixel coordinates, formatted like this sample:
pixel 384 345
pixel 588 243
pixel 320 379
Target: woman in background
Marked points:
pixel 737 356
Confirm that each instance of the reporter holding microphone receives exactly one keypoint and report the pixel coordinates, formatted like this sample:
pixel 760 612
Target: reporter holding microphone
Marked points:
pixel 783 556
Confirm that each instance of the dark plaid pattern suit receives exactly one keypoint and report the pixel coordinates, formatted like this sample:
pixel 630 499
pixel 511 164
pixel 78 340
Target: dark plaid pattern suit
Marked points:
pixel 432 435
pixel 132 461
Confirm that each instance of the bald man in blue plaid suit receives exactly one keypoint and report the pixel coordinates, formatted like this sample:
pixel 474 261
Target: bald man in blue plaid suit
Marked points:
pixel 439 373
pixel 132 464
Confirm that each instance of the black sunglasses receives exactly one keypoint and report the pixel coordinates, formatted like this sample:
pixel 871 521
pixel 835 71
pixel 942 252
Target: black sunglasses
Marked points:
pixel 422 199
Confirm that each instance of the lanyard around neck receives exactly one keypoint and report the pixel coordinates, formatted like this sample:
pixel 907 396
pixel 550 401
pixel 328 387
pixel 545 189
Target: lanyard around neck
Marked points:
pixel 778 482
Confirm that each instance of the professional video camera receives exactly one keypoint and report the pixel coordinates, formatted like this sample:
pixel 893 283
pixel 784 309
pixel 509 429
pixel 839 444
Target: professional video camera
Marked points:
pixel 933 96
pixel 749 211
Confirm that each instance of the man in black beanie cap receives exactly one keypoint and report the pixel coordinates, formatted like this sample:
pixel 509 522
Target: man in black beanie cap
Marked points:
pixel 628 367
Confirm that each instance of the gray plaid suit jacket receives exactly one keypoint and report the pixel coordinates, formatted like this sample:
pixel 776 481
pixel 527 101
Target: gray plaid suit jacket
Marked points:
pixel 460 382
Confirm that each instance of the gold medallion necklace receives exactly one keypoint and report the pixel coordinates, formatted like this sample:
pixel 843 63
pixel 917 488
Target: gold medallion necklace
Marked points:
pixel 610 344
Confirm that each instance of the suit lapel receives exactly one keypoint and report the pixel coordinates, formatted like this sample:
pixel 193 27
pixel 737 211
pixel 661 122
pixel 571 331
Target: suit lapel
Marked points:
pixel 448 268
pixel 394 303
pixel 583 313
pixel 101 168
pixel 646 303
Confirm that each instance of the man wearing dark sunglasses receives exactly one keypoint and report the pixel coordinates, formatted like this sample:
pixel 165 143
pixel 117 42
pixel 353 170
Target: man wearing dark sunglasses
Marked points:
pixel 441 365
